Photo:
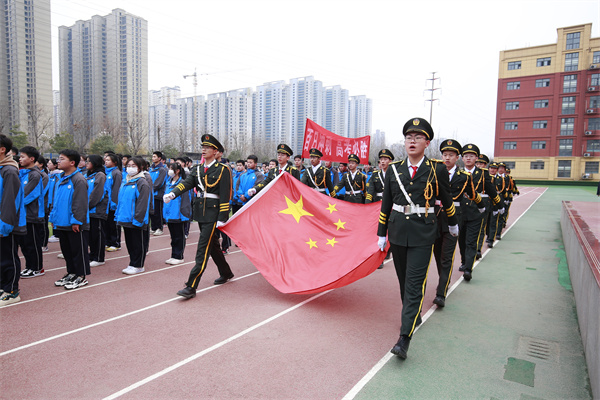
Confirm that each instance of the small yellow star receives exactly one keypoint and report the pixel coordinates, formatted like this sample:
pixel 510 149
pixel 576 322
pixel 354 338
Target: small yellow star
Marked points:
pixel 339 224
pixel 331 242
pixel 311 243
pixel 331 208
pixel 295 209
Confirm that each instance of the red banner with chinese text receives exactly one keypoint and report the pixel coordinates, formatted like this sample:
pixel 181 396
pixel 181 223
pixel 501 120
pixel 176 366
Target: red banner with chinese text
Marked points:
pixel 334 147
pixel 303 241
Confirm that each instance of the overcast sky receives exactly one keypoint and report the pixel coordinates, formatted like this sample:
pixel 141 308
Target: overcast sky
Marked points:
pixel 385 50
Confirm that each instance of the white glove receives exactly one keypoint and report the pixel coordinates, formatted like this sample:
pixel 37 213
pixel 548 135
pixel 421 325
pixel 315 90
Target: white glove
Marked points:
pixel 482 210
pixel 453 230
pixel 220 224
pixel 251 192
pixel 506 201
pixel 168 197
pixel 501 211
pixel 494 213
pixel 381 243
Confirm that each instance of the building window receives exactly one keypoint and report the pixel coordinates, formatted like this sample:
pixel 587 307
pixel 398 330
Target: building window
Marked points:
pixel 511 126
pixel 594 101
pixel 595 80
pixel 570 83
pixel 564 169
pixel 565 147
pixel 510 145
pixel 596 57
pixel 538 144
pixel 541 103
pixel 571 61
pixel 540 124
pixel 593 145
pixel 512 105
pixel 542 82
pixel 543 62
pixel 514 65
pixel 593 124
pixel 592 167
pixel 536 165
pixel 568 105
pixel 567 126
pixel 513 85
pixel 573 40
pixel 510 165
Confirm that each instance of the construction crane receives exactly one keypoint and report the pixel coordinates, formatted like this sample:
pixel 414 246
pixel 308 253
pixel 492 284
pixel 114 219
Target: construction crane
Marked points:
pixel 195 105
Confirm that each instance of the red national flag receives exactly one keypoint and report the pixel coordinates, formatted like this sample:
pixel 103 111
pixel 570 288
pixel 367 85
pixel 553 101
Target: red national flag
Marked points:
pixel 335 148
pixel 304 242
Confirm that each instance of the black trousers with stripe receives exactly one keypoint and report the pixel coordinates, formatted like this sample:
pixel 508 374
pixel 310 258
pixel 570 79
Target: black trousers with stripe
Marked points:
pixel 10 265
pixel 74 246
pixel 412 265
pixel 443 250
pixel 177 231
pixel 469 235
pixel 135 240
pixel 156 219
pixel 208 245
pixel 31 246
pixel 97 239
pixel 113 232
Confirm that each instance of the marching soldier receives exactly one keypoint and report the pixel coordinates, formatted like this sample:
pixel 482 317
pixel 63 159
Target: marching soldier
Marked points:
pixel 353 181
pixel 317 176
pixel 493 228
pixel 482 163
pixel 408 218
pixel 461 185
pixel 213 183
pixel 472 220
pixel 284 152
pixel 375 185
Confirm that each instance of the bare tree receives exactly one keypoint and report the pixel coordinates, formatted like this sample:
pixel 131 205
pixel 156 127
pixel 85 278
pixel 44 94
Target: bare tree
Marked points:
pixel 40 123
pixel 137 132
pixel 4 118
pixel 110 127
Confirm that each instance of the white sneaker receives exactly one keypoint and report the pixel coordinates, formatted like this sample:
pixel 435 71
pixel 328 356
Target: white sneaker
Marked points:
pixel 158 232
pixel 169 261
pixel 132 270
pixel 53 239
pixel 175 261
pixel 45 249
pixel 77 282
pixel 96 263
pixel 9 298
pixel 60 255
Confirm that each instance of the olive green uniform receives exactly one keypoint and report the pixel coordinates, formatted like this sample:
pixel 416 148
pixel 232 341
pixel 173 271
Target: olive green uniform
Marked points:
pixel 355 187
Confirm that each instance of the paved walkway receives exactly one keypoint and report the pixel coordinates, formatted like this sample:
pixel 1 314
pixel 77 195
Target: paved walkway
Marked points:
pixel 511 333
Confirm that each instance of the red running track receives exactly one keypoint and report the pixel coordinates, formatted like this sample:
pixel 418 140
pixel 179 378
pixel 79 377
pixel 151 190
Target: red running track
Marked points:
pixel 132 337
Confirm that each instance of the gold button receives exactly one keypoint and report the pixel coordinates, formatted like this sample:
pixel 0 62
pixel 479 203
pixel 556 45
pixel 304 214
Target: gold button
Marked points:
pixel 411 183
pixel 410 194
pixel 407 217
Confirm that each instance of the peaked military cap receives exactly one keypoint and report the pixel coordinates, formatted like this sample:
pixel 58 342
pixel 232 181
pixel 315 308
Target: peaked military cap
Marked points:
pixel 315 153
pixel 386 153
pixel 354 157
pixel 452 145
pixel 501 164
pixel 210 140
pixel 418 125
pixel 483 159
pixel 470 148
pixel 493 165
pixel 285 149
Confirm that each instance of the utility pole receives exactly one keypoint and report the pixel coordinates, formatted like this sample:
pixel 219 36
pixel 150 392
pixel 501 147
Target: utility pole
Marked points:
pixel 194 111
pixel 431 99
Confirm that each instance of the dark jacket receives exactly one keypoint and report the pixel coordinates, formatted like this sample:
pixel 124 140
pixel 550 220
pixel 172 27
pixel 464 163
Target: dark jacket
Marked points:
pixel 322 178
pixel 274 173
pixel 12 206
pixel 70 202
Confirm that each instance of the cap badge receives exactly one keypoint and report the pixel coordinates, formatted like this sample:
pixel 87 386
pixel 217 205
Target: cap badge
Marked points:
pixel 206 137
pixel 449 142
pixel 416 121
pixel 470 146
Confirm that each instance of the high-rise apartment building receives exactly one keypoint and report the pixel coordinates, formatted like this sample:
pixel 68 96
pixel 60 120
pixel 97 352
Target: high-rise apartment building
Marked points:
pixel 56 110
pixel 269 112
pixel 360 116
pixel 336 108
pixel 26 69
pixel 548 112
pixel 104 75
pixel 305 101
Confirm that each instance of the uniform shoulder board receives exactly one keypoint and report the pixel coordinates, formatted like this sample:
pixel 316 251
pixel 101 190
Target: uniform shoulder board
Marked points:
pixel 375 171
pixel 485 169
pixel 435 160
pixel 293 168
pixel 399 162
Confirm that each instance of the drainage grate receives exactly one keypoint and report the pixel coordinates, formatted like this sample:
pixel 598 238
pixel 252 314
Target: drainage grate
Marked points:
pixel 539 349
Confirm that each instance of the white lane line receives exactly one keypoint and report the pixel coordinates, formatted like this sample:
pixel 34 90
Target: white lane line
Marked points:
pixel 106 321
pixel 388 356
pixel 103 283
pixel 210 349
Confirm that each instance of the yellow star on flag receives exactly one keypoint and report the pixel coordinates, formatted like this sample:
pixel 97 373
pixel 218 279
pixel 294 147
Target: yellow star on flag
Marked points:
pixel 331 208
pixel 331 242
pixel 339 224
pixel 311 243
pixel 295 209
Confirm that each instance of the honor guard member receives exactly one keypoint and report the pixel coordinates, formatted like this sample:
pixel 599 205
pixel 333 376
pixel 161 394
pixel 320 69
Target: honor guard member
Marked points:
pixel 284 152
pixel 212 181
pixel 354 181
pixel 408 218
pixel 472 218
pixel 493 223
pixel 508 194
pixel 461 185
pixel 317 176
pixel 502 184
pixel 375 185
pixel 482 163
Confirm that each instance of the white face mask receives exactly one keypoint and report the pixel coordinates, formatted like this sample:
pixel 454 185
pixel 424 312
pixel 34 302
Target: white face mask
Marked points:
pixel 132 170
pixel 171 173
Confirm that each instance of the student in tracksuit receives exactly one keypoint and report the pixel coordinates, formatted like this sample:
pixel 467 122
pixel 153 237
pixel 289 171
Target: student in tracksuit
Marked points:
pixel 53 177
pixel 158 172
pixel 112 165
pixel 71 220
pixel 132 213
pixel 42 166
pixel 12 224
pixel 98 202
pixel 176 213
pixel 33 189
